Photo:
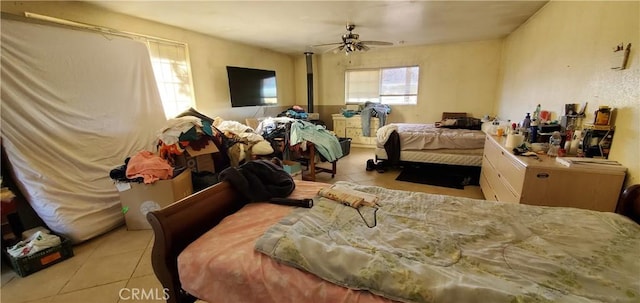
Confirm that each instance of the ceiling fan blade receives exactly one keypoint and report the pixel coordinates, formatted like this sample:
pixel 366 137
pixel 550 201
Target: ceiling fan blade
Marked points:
pixel 376 43
pixel 361 47
pixel 335 49
pixel 326 44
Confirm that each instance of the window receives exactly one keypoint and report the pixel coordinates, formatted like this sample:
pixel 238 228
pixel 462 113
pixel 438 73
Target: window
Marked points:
pixel 171 68
pixel 170 60
pixel 397 85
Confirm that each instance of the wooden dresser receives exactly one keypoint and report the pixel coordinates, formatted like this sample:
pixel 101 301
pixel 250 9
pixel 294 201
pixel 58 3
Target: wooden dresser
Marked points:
pixel 352 128
pixel 509 178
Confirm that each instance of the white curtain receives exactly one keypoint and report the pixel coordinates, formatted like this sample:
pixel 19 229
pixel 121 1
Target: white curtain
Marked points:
pixel 75 104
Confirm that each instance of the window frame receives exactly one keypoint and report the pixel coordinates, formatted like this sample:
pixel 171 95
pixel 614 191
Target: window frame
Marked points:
pixel 163 85
pixel 380 96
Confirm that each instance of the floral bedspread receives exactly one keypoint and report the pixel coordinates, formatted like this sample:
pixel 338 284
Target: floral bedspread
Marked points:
pixel 435 248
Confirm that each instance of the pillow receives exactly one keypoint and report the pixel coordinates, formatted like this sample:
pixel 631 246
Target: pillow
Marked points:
pixel 262 148
pixel 465 123
pixel 448 122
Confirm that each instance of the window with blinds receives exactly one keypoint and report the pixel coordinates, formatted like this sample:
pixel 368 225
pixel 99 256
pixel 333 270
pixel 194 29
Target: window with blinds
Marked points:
pixel 171 67
pixel 397 85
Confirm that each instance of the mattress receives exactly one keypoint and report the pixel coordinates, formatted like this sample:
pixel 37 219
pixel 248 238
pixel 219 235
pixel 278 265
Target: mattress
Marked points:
pixel 223 266
pixel 429 137
pixel 75 105
pixel 465 157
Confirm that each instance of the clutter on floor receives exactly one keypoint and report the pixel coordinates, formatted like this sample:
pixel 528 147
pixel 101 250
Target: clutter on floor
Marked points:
pixel 39 249
pixel 453 176
pixel 304 142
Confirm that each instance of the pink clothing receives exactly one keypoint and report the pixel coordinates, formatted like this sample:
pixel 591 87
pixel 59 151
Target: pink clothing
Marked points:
pixel 149 166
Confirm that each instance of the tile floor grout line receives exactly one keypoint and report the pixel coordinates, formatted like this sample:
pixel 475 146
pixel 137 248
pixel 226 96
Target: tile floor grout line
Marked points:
pixel 138 264
pixel 93 250
pixel 84 263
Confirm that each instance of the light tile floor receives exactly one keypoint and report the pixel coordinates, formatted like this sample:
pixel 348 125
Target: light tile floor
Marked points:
pixel 107 268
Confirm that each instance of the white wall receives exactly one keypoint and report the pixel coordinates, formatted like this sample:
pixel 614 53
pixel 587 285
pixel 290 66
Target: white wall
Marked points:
pixel 209 56
pixel 453 77
pixel 562 55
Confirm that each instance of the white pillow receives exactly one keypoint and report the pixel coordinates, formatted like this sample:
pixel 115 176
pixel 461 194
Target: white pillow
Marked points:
pixel 449 122
pixel 262 148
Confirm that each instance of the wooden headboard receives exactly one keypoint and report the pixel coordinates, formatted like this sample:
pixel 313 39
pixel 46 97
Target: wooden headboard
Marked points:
pixel 453 115
pixel 629 203
pixel 178 224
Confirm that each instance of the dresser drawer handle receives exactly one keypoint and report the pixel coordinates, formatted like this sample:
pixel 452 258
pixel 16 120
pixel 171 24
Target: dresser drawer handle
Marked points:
pixel 542 175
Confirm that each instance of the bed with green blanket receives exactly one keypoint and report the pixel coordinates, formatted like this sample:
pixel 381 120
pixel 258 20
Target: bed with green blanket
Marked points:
pixel 435 248
pixel 421 248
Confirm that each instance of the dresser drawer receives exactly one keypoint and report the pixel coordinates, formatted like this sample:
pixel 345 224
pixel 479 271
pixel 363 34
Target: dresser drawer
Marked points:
pixel 487 190
pixel 357 122
pixel 492 152
pixel 354 133
pixel 356 136
pixel 354 123
pixel 512 171
pixel 498 184
pixel 339 127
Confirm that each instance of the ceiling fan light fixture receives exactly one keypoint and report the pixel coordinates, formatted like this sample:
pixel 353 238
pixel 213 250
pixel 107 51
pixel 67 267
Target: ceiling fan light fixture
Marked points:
pixel 351 42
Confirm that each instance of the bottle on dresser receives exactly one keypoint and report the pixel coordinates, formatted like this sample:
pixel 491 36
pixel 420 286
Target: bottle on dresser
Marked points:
pixel 526 125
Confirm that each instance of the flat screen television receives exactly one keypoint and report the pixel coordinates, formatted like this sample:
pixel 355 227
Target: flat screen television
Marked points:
pixel 252 87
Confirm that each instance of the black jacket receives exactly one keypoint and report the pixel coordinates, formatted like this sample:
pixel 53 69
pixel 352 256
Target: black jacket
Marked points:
pixel 259 180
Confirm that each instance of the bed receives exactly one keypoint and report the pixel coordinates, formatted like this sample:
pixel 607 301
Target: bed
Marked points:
pixel 443 142
pixel 220 264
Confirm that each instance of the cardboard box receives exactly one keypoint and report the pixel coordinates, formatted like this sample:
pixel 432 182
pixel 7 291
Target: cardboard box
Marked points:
pixel 292 167
pixel 199 163
pixel 27 265
pixel 138 199
pixel 200 160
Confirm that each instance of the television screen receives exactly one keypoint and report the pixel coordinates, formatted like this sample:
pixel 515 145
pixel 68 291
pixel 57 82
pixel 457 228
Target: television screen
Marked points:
pixel 252 87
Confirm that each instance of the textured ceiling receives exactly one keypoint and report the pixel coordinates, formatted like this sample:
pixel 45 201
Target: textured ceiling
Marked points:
pixel 294 26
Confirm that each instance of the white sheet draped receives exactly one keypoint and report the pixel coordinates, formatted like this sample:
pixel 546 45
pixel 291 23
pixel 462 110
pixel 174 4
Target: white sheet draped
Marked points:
pixel 75 104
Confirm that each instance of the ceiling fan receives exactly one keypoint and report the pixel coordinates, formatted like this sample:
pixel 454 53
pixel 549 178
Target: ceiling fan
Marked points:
pixel 351 42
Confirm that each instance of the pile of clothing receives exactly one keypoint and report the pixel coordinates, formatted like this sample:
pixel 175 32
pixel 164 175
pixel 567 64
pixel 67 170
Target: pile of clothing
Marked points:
pixel 295 112
pixel 243 141
pixel 143 167
pixel 195 136
pixel 38 241
pixel 183 139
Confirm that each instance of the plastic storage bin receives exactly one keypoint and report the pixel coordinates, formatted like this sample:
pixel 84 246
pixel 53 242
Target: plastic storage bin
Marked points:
pixel 345 144
pixel 27 265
